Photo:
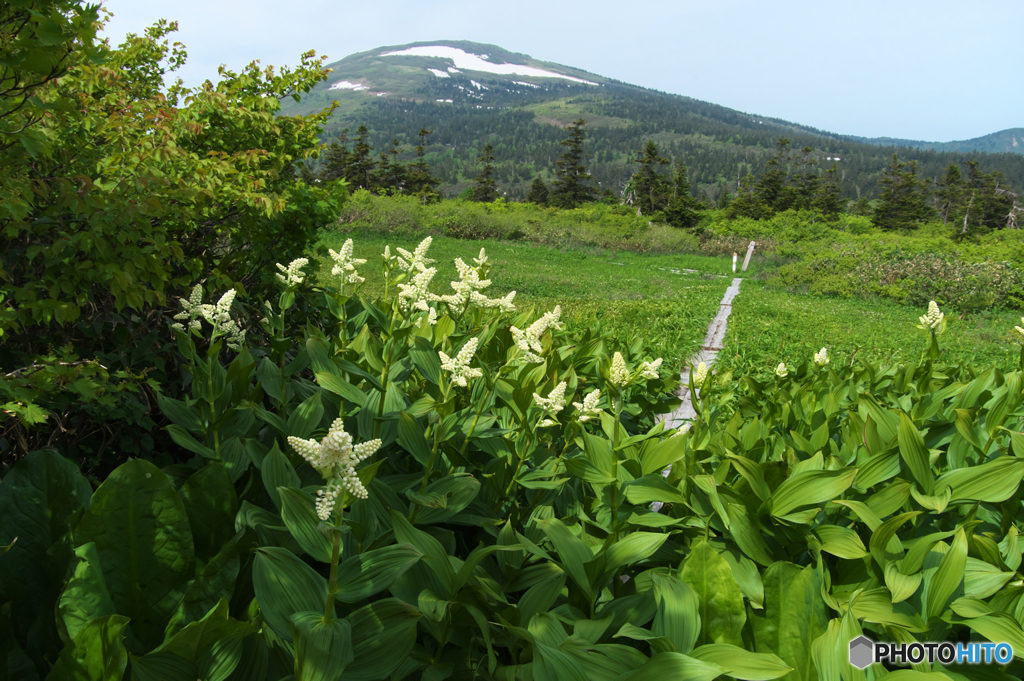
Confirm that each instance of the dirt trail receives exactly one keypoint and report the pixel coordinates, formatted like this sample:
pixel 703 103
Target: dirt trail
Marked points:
pixel 708 353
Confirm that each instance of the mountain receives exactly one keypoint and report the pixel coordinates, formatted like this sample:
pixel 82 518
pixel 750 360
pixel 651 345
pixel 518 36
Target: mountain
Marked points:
pixel 1009 141
pixel 470 94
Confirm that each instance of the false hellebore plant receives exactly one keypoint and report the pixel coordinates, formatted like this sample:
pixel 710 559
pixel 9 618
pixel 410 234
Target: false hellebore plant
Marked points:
pixel 397 489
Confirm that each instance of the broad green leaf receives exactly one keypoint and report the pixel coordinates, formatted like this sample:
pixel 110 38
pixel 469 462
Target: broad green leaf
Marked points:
pixel 936 502
pixel 968 607
pixel 299 515
pixel 425 358
pixel 278 472
pixel 901 586
pixel 652 488
pixel 434 555
pixel 915 454
pixel 459 490
pixel 884 544
pixel 992 482
pixel 541 596
pixel 96 654
pixel 741 663
pixel 678 615
pixel 657 455
pixel 85 598
pixel 722 613
pixel 1000 630
pixel 794 616
pixel 879 468
pixel 810 487
pixel 370 572
pixel 435 609
pixel 339 386
pixel 211 505
pixel 144 543
pixel 306 417
pixel 180 413
pixel 545 628
pixel 214 642
pixel 36 497
pixel 413 439
pixel 841 541
pixel 216 579
pixel 747 535
pixel 752 473
pixel 633 548
pixel 573 553
pixel 163 667
pixel 383 635
pixel 580 467
pixel 322 648
pixel 285 585
pixel 677 667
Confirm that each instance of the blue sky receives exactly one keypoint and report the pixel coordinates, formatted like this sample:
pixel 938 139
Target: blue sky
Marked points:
pixel 933 70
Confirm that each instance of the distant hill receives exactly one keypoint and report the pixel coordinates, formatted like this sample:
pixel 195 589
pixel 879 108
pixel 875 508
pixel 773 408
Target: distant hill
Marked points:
pixel 1009 141
pixel 470 94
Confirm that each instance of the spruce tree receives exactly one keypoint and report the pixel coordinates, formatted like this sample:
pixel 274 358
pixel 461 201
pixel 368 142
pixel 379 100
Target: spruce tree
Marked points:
pixel 989 204
pixel 828 196
pixel 650 188
pixel 805 180
pixel 572 187
pixel 538 193
pixel 772 193
pixel 903 202
pixel 390 176
pixel 949 192
pixel 485 189
pixel 336 159
pixel 682 207
pixel 359 171
pixel 420 181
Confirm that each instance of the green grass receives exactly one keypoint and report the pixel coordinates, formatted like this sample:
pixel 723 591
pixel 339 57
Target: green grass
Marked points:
pixel 767 327
pixel 630 295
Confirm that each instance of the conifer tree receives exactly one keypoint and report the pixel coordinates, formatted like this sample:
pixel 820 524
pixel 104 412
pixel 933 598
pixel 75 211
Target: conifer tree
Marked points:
pixel 903 202
pixel 805 180
pixel 572 187
pixel 828 197
pixel 771 189
pixel 949 192
pixel 420 181
pixel 746 203
pixel 360 167
pixel 390 176
pixel 485 189
pixel 538 193
pixel 682 207
pixel 336 159
pixel 650 188
pixel 988 202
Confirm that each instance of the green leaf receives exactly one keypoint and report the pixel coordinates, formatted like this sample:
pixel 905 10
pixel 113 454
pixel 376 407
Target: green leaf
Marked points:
pixel 841 541
pixel 746 532
pixel 216 580
pixel 949 577
pixel 677 667
pixel 459 491
pixel 434 555
pixel 213 644
pixel 722 613
pixel 412 437
pixel 915 454
pixel 183 439
pixel 656 455
pixel 339 386
pixel 794 616
pixel 144 543
pixel 884 544
pixel 306 417
pixel 383 635
pixel 370 572
pixel 573 553
pixel 285 585
pixel 322 649
pixel 632 549
pixel 425 358
pixel 741 663
pixel 85 598
pixel 999 629
pixel 810 487
pixel 278 472
pixel 180 413
pixel 299 515
pixel 96 654
pixel 163 667
pixel 678 614
pixel 651 488
pixel 211 505
pixel 992 482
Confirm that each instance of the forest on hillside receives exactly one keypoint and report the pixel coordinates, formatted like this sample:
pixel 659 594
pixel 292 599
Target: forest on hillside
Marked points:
pixel 718 145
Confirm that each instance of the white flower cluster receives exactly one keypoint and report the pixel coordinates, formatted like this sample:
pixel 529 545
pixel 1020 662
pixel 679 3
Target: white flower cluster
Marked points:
pixel 293 274
pixel 326 499
pixel 482 260
pixel 619 373
pixel 650 369
pixel 700 374
pixel 933 318
pixel 336 456
pixel 1020 329
pixel 462 373
pixel 469 286
pixel 683 429
pixel 781 371
pixel 345 264
pixel 218 315
pixel 552 404
pixel 416 261
pixel 588 408
pixel 528 341
pixel 415 295
pixel 821 357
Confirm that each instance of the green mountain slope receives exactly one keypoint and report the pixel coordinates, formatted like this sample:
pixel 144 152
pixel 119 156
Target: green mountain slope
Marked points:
pixel 470 94
pixel 1009 141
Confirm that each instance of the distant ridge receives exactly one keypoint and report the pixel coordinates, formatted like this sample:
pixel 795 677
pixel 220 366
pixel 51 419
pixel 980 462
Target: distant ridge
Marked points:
pixel 1010 141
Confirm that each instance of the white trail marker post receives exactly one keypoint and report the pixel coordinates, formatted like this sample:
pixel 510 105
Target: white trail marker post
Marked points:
pixel 750 252
pixel 735 257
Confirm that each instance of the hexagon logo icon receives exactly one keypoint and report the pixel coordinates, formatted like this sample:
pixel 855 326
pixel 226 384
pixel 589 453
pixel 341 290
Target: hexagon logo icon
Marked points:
pixel 862 652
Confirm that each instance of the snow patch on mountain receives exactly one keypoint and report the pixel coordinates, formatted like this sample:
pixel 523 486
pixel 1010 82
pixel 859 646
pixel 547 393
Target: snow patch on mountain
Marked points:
pixel 439 73
pixel 519 82
pixel 452 69
pixel 473 62
pixel 478 86
pixel 345 85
